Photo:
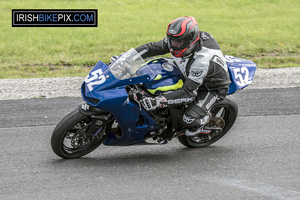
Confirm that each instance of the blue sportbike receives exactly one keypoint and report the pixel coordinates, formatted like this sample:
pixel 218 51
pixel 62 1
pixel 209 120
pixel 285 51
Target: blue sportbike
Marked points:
pixel 112 114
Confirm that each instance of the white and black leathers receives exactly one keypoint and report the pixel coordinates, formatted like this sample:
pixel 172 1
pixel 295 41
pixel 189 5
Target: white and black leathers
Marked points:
pixel 205 69
pixel 207 79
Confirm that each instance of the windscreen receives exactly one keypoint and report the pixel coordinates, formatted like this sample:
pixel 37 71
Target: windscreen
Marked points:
pixel 127 65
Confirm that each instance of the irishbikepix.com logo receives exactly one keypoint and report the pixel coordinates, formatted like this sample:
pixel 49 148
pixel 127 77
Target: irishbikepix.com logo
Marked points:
pixel 54 18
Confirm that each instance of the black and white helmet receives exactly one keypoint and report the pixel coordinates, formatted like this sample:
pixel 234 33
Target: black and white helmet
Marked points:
pixel 183 34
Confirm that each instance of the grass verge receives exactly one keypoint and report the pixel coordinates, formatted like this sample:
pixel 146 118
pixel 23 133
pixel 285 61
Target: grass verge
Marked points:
pixel 265 31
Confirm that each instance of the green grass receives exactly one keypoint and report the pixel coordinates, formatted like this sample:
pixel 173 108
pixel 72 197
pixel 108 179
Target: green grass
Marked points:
pixel 265 31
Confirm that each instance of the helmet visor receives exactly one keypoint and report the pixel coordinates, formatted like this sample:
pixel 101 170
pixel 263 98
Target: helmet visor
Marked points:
pixel 177 44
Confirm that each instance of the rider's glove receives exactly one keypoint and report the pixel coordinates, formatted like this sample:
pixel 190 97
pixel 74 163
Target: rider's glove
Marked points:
pixel 114 58
pixel 153 103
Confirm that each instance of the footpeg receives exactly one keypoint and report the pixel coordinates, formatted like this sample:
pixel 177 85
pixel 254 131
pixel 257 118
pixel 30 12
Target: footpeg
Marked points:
pixel 205 131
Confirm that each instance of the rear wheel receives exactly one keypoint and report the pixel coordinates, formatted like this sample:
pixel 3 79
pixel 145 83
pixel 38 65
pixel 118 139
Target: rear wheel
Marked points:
pixel 72 138
pixel 224 115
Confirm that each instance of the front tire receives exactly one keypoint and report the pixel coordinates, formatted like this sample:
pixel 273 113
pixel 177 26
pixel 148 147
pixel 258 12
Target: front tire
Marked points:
pixel 229 111
pixel 69 138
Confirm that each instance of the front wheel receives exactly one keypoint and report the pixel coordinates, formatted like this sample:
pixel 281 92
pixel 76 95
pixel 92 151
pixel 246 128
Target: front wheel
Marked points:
pixel 224 113
pixel 72 139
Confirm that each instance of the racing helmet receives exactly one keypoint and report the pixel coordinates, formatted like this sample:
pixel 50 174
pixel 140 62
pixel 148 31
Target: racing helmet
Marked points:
pixel 182 35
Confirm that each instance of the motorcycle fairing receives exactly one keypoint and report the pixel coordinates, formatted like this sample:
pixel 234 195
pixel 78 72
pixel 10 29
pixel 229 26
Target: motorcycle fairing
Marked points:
pixel 113 98
pixel 241 73
pixel 127 115
pixel 100 85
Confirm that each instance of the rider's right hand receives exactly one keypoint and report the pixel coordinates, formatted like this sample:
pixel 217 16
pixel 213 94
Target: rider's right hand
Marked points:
pixel 153 103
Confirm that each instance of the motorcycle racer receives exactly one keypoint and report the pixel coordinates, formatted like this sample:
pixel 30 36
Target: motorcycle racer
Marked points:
pixel 200 59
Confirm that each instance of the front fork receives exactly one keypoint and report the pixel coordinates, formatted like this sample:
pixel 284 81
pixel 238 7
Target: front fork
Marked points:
pixel 99 118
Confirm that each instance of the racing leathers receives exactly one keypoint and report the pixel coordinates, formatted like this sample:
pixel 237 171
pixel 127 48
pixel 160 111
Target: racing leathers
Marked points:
pixel 206 79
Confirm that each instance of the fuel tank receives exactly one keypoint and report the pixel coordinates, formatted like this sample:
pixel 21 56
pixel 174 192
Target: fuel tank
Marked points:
pixel 167 77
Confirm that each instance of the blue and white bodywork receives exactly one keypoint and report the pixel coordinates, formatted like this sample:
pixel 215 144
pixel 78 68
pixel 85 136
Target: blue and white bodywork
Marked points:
pixel 241 73
pixel 105 88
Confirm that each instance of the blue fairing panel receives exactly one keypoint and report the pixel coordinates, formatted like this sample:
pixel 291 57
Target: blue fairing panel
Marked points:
pixel 102 90
pixel 241 73
pixel 100 85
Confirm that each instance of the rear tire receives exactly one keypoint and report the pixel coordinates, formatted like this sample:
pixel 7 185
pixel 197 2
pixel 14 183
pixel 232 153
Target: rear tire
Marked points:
pixel 229 115
pixel 74 125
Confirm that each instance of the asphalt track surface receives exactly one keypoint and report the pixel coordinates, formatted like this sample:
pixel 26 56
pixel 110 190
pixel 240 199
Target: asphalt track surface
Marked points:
pixel 258 159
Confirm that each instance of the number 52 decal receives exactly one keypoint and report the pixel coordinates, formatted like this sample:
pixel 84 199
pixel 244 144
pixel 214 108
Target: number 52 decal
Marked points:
pixel 241 76
pixel 97 74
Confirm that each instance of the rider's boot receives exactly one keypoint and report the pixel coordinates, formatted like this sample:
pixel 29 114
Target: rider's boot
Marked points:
pixel 199 130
